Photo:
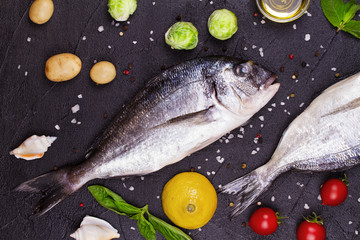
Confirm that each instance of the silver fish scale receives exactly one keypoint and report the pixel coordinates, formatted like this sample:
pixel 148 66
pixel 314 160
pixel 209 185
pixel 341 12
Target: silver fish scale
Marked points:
pixel 326 135
pixel 178 92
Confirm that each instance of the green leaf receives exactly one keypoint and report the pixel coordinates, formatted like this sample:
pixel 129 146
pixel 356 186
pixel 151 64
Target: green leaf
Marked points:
pixel 353 27
pixel 112 201
pixel 168 231
pixel 333 11
pixel 145 228
pixel 348 5
pixel 349 14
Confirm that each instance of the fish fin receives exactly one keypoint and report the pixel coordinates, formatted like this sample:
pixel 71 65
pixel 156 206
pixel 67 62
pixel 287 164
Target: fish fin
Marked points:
pixel 200 117
pixel 55 187
pixel 246 189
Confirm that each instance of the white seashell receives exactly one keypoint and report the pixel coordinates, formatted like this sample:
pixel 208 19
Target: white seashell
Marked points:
pixel 92 228
pixel 34 147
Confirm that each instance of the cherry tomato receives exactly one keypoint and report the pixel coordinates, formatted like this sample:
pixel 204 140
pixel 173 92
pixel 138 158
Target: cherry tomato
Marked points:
pixel 333 192
pixel 310 231
pixel 264 221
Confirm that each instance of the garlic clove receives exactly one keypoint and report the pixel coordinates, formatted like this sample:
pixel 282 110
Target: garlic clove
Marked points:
pixel 33 148
pixel 92 228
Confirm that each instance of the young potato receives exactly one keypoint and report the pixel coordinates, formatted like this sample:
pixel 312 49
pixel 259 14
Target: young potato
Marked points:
pixel 41 11
pixel 103 72
pixel 62 67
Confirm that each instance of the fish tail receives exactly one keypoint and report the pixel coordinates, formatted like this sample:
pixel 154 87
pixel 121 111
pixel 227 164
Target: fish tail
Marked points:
pixel 55 187
pixel 246 190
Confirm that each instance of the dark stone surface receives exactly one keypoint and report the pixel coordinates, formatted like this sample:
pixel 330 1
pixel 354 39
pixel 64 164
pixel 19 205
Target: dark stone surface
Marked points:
pixel 31 104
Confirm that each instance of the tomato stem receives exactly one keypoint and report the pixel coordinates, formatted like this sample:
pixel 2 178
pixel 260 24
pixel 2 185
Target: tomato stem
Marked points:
pixel 345 180
pixel 314 219
pixel 280 218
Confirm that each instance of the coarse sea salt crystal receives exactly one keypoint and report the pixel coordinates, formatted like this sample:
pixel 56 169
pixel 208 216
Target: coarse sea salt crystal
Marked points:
pixel 274 104
pixel 151 31
pixel 28 39
pixel 26 73
pixel 19 66
pixel 57 127
pixel 254 23
pixel 199 167
pixel 131 188
pixel 109 46
pixel 100 28
pixel 208 173
pixel 273 199
pixel 80 96
pixel 350 222
pixel 253 152
pixel 308 14
pixel 306 206
pixel 240 136
pixel 356 232
pixel 319 197
pixel 269 109
pixel 263 21
pixel 132 228
pixel 253 46
pixel 134 42
pixel 282 103
pixel 289 197
pixel 153 3
pixel 73 121
pixel 218 158
pixel 333 69
pixel 151 39
pixel 358 199
pixel 261 118
pixel 117 24
pixel 307 37
pixel 213 172
pixel 75 108
pixel 245 48
pixel 142 178
pixel 218 151
pixel 84 38
pixel 294 26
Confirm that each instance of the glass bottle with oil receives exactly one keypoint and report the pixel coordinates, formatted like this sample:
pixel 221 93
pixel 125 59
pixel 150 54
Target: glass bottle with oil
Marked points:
pixel 283 10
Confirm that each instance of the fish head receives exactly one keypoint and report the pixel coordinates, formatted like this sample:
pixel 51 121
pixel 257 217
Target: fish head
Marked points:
pixel 252 85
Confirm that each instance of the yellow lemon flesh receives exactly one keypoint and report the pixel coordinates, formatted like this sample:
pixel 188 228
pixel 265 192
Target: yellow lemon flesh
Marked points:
pixel 189 200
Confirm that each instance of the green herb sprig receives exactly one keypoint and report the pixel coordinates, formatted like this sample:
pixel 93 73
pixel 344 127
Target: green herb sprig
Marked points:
pixel 340 15
pixel 147 226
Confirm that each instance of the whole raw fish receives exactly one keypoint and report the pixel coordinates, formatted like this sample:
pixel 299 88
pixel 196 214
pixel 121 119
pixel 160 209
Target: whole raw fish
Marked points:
pixel 326 136
pixel 180 111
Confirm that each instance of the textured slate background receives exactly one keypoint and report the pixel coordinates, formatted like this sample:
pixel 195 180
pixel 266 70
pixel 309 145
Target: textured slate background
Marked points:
pixel 31 104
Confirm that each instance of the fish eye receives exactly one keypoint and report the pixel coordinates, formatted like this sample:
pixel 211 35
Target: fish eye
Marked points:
pixel 242 70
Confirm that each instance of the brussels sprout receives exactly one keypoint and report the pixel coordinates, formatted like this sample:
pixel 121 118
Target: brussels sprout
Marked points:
pixel 182 35
pixel 120 10
pixel 222 24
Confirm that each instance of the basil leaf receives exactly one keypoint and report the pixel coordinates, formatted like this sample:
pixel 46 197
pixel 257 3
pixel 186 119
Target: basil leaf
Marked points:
pixel 145 228
pixel 348 5
pixel 112 201
pixel 333 11
pixel 351 13
pixel 353 27
pixel 168 231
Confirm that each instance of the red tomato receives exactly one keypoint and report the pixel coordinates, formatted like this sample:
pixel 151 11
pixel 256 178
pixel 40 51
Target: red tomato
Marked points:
pixel 333 192
pixel 264 221
pixel 310 231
